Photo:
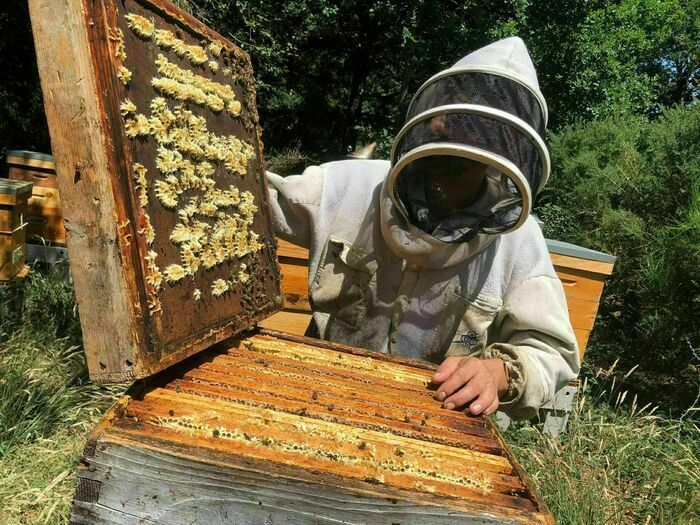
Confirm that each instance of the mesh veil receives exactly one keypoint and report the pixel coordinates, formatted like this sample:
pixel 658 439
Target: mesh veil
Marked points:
pixel 484 89
pixel 471 114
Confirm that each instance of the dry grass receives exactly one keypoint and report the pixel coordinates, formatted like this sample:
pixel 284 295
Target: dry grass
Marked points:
pixel 37 479
pixel 616 464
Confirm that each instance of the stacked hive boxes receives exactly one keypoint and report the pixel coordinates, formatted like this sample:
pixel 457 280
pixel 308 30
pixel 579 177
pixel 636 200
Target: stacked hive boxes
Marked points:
pixel 44 217
pixel 14 196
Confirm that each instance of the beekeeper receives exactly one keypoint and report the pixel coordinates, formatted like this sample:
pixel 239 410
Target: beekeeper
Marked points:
pixel 433 254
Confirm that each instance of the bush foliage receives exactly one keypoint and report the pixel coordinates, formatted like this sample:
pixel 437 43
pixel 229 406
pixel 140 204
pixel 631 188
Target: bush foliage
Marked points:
pixel 331 74
pixel 631 187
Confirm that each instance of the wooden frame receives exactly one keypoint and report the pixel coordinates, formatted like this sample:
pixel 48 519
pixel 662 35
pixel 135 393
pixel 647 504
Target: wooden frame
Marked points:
pixel 130 328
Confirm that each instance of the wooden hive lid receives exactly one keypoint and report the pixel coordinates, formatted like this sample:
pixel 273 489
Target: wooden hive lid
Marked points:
pixel 569 255
pixel 14 187
pixel 32 159
pixel 156 142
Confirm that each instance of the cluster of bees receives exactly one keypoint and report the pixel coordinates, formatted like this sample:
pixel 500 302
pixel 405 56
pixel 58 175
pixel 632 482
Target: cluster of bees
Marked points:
pixel 215 224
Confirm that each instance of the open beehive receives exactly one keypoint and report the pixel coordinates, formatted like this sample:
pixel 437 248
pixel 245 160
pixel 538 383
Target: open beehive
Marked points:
pixel 272 428
pixel 156 142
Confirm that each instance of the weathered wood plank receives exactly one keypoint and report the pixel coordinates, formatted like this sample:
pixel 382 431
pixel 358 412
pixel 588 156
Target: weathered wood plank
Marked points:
pixel 71 101
pixel 142 485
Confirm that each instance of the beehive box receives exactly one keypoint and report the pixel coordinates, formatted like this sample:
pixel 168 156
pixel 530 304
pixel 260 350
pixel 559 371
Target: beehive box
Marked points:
pixel 44 217
pixel 582 272
pixel 156 142
pixel 276 429
pixel 14 196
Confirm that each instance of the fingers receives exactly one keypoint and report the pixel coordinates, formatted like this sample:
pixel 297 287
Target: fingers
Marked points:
pixel 447 368
pixel 492 408
pixel 466 381
pixel 480 392
pixel 486 398
pixel 463 374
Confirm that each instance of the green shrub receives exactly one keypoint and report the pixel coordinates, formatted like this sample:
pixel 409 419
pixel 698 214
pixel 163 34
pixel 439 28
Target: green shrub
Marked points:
pixel 631 187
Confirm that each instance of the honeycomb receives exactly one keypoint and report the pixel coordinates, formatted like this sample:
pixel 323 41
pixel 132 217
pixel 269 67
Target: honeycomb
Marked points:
pixel 213 221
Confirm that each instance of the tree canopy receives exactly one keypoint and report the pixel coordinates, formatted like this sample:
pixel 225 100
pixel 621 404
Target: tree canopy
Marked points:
pixel 331 74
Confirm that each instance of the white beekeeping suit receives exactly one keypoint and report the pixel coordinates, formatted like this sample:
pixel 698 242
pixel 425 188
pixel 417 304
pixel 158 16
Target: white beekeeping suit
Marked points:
pixel 394 269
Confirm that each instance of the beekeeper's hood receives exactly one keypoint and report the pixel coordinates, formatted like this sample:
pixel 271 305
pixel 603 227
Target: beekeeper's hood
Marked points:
pixel 485 111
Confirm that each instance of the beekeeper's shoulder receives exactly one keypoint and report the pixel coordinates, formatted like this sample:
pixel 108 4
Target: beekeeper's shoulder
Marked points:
pixel 525 249
pixel 354 177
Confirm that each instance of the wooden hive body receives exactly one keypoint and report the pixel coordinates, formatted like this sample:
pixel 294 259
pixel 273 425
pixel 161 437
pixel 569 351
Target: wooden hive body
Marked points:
pixel 264 427
pixel 14 196
pixel 44 216
pixel 273 428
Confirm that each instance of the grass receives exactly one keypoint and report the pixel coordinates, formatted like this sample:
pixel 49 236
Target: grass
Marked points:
pixel 47 403
pixel 617 463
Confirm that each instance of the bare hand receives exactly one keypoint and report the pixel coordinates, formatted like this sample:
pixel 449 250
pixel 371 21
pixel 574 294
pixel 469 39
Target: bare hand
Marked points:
pixel 472 381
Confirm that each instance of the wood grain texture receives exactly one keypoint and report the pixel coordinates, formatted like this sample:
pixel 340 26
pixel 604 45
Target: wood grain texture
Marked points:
pixel 274 428
pixel 582 337
pixel 81 155
pixel 287 249
pixel 131 328
pixel 287 321
pixel 596 267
